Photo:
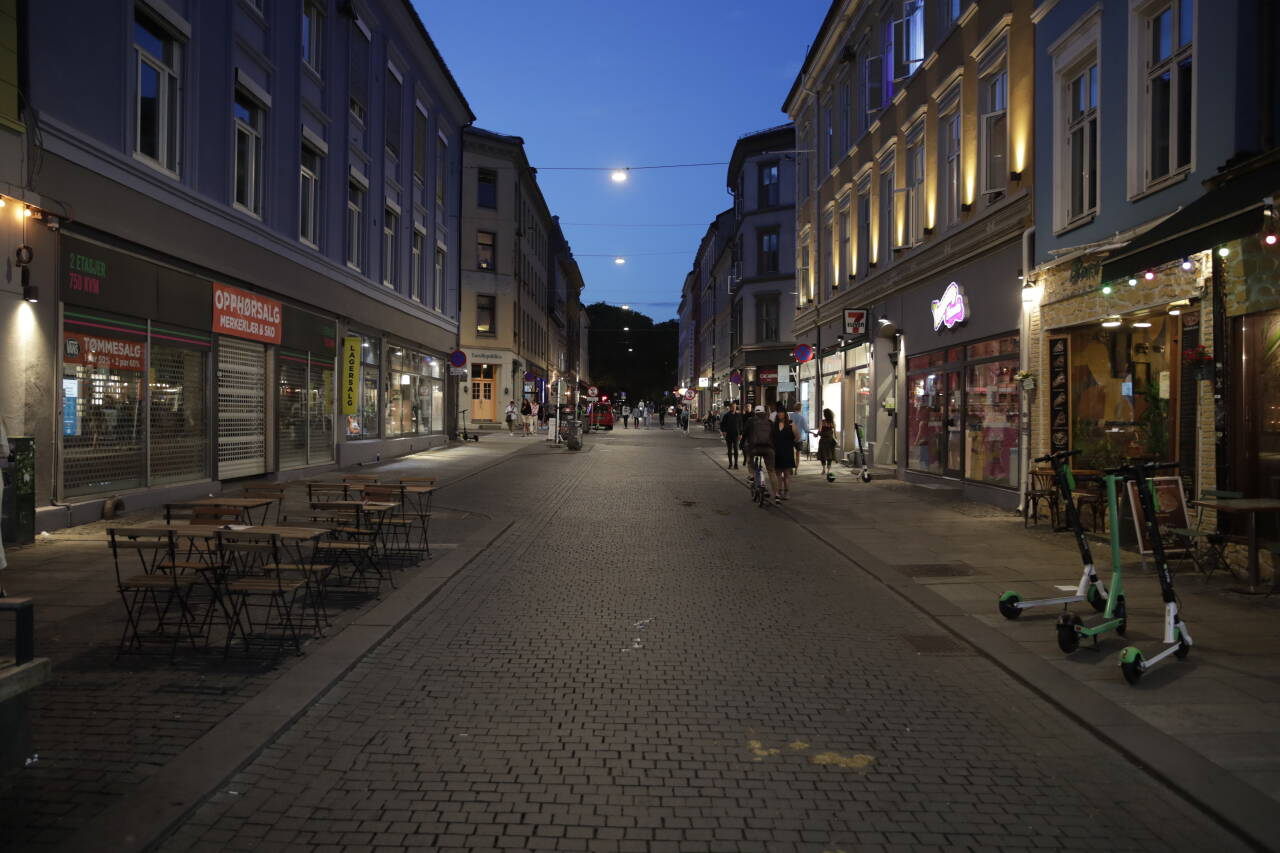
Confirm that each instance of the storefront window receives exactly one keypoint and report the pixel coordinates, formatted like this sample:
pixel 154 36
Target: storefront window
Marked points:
pixel 291 408
pixel 963 412
pixel 103 424
pixel 320 410
pixel 179 410
pixel 364 423
pixel 1121 390
pixel 412 384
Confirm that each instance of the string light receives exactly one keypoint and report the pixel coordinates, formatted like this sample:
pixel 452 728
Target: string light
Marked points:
pixel 1148 275
pixel 1186 263
pixel 1133 282
pixel 1106 290
pixel 1223 252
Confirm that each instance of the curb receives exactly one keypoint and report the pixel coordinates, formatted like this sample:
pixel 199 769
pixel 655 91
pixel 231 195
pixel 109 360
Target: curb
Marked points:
pixel 1236 806
pixel 146 816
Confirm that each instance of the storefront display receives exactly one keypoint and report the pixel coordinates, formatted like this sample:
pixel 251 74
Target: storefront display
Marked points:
pixel 414 392
pixel 363 422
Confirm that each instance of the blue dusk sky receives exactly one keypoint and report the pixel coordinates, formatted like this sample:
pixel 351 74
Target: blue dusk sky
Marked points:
pixel 601 83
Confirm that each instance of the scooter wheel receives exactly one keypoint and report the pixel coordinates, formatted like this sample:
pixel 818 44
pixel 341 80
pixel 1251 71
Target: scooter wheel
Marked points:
pixel 866 476
pixel 1131 664
pixel 1122 615
pixel 1008 605
pixel 1068 638
pixel 1183 649
pixel 1095 599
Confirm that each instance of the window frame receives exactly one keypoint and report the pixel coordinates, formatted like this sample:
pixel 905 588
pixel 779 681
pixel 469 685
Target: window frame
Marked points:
pixel 914 174
pixel 492 246
pixel 356 202
pixel 417 272
pixel 313 37
pixel 1143 71
pixel 995 177
pixel 1074 52
pixel 773 301
pixel 168 96
pixel 482 173
pixel 312 176
pixel 253 131
pixel 951 158
pixel 886 217
pixel 768 192
pixel 492 331
pixel 390 246
pixel 437 282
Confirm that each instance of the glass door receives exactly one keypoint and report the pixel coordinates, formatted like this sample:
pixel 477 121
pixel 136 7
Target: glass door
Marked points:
pixel 954 452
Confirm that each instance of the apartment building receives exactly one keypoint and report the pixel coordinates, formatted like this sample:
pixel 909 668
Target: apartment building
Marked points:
pixel 244 234
pixel 913 201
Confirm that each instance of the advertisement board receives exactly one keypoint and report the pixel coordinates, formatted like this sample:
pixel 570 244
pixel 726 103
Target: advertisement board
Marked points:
pixel 246 315
pixel 350 375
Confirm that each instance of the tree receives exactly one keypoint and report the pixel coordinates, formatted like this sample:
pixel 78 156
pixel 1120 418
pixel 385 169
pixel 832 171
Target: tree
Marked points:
pixel 630 353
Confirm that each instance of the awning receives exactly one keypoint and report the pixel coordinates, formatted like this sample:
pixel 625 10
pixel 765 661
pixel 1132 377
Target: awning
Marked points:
pixel 1224 213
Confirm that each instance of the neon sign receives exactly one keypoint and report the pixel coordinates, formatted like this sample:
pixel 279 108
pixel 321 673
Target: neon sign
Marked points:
pixel 951 309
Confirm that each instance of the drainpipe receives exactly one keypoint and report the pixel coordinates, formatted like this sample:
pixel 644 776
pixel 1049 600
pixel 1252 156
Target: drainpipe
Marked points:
pixel 1024 358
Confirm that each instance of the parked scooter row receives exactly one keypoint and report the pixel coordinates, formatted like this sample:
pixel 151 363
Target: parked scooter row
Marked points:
pixel 1071 628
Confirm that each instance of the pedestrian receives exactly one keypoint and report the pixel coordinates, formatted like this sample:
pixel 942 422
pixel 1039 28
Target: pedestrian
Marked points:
pixel 784 452
pixel 802 430
pixel 662 417
pixel 526 417
pixel 827 443
pixel 512 412
pixel 544 413
pixel 758 434
pixel 626 416
pixel 731 430
pixel 643 417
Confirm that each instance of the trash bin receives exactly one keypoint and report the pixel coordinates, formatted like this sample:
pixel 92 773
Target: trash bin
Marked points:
pixel 18 509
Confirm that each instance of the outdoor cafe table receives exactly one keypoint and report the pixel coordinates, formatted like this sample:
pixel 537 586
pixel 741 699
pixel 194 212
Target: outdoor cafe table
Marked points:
pixel 1251 507
pixel 245 505
pixel 417 497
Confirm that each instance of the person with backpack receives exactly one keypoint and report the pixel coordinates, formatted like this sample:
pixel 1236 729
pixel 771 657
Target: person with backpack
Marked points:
pixel 730 430
pixel 759 433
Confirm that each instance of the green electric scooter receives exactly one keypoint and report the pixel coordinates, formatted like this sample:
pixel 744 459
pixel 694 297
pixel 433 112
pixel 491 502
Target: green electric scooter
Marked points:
pixel 1071 628
pixel 1090 587
pixel 1177 638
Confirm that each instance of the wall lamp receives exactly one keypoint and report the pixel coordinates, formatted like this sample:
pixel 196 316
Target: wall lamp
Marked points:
pixel 965 207
pixel 928 231
pixel 1015 176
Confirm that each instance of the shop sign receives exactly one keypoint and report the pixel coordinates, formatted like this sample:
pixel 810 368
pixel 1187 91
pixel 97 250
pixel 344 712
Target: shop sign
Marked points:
pixel 855 321
pixel 786 377
pixel 768 375
pixel 245 315
pixel 704 381
pixel 952 309
pixel 486 357
pixel 350 375
pixel 103 353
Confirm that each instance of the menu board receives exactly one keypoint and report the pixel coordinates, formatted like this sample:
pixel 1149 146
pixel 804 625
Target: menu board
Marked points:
pixel 1171 509
pixel 1059 394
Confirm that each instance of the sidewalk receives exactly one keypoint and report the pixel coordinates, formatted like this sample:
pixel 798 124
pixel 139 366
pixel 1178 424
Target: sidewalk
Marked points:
pixel 1208 725
pixel 106 729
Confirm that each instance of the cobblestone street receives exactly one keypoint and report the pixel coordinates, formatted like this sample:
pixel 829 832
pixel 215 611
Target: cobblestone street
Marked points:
pixel 646 661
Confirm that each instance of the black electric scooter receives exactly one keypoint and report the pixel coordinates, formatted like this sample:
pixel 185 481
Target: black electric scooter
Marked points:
pixel 1177 638
pixel 1090 587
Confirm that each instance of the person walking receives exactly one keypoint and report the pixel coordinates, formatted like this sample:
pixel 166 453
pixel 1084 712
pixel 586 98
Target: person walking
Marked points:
pixel 626 416
pixel 526 417
pixel 512 414
pixel 784 452
pixel 758 435
pixel 544 413
pixel 827 443
pixel 731 430
pixel 802 430
pixel 662 417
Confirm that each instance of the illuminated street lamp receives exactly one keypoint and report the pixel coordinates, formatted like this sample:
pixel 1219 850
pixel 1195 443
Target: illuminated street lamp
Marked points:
pixel 619 176
pixel 626 307
pixel 619 260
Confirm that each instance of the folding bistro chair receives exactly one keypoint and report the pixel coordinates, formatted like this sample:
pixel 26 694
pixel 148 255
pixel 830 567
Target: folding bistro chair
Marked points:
pixel 260 600
pixel 360 478
pixel 157 585
pixel 422 505
pixel 1205 548
pixel 353 542
pixel 398 525
pixel 274 493
pixel 317 492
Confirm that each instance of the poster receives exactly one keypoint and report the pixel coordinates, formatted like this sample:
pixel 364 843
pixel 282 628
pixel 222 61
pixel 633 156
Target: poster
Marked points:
pixel 1059 394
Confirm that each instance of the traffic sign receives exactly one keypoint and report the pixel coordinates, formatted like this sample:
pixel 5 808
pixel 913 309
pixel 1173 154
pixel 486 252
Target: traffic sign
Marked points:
pixel 458 358
pixel 802 353
pixel 593 391
pixel 690 394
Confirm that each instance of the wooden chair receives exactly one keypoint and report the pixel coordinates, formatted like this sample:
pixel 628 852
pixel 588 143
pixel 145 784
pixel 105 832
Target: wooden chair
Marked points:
pixel 256 585
pixel 216 515
pixel 275 493
pixel 1205 548
pixel 326 492
pixel 359 478
pixel 1041 487
pixel 398 524
pixel 1091 500
pixel 157 585
pixel 174 513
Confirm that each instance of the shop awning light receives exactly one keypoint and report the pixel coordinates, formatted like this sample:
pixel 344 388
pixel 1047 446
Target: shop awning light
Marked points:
pixel 1111 322
pixel 1223 252
pixel 1270 239
pixel 1133 282
pixel 1141 324
pixel 1106 290
pixel 1148 275
pixel 1186 263
pixel 1174 312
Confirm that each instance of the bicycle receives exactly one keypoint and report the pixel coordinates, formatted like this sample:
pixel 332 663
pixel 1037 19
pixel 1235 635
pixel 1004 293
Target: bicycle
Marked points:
pixel 759 490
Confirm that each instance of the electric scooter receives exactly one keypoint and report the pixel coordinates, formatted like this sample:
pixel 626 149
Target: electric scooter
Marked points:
pixel 861 454
pixel 1177 638
pixel 1071 628
pixel 1090 587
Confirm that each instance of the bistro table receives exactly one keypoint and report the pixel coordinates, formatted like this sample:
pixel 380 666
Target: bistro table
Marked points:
pixel 245 505
pixel 417 497
pixel 1250 507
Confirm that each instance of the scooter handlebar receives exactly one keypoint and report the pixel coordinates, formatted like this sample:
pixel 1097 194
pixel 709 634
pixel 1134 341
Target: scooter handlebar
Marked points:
pixel 1061 454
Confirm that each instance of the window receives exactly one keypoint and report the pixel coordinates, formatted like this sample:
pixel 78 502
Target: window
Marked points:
pixel 846 115
pixel 950 12
pixel 804 287
pixel 872 87
pixel 248 175
pixel 416 261
pixel 1165 118
pixel 312 37
pixel 766 251
pixel 393 111
pixel 915 187
pixel 845 264
pixel 358 83
pixel 486 322
pixel 390 255
pixel 442 158
pixel 888 230
pixel 486 251
pixel 309 197
pixel 157 97
pixel 1082 143
pixel 767 192
pixel 993 93
pixel 864 227
pixel 908 40
pixel 826 259
pixel 355 226
pixel 828 135
pixel 767 317
pixel 950 186
pixel 437 294
pixel 803 183
pixel 420 146
pixel 486 188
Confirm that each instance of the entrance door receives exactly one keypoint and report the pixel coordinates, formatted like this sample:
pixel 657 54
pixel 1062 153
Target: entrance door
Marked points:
pixel 242 408
pixel 1255 432
pixel 954 452
pixel 484 400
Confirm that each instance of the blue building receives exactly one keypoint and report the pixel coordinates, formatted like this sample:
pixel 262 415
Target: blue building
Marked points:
pixel 1154 280
pixel 245 230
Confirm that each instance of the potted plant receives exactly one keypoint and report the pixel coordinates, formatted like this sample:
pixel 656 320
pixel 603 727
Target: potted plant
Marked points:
pixel 1199 361
pixel 1027 378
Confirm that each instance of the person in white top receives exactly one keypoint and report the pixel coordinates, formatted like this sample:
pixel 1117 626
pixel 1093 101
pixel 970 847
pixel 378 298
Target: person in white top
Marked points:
pixel 626 416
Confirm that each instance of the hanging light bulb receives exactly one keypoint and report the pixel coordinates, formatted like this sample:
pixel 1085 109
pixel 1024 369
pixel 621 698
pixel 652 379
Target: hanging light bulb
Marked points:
pixel 1133 282
pixel 1148 275
pixel 1223 252
pixel 1106 290
pixel 1111 322
pixel 1186 263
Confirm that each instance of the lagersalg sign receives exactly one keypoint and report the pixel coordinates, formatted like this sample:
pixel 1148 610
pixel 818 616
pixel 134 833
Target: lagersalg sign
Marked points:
pixel 350 374
pixel 245 315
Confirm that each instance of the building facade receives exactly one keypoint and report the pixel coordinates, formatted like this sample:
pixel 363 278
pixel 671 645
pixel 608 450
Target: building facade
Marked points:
pixel 245 237
pixel 913 207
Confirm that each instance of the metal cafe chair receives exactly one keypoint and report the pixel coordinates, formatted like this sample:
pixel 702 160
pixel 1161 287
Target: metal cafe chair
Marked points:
pixel 275 493
pixel 260 599
pixel 398 525
pixel 159 586
pixel 353 543
pixel 1205 548
pixel 326 492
